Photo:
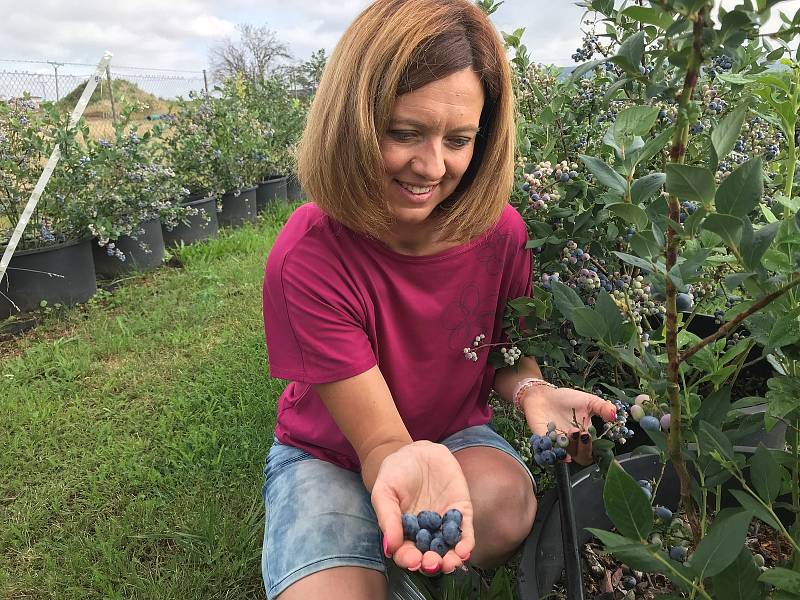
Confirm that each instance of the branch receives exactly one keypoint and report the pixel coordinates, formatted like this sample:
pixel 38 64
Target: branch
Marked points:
pixel 727 327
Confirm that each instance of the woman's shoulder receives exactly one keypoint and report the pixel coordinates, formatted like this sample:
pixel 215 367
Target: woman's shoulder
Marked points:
pixel 510 225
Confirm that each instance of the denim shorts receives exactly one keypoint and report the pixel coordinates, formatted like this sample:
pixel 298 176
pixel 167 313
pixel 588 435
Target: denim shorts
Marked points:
pixel 319 515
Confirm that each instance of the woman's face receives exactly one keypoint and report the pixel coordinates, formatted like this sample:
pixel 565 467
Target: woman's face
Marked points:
pixel 429 144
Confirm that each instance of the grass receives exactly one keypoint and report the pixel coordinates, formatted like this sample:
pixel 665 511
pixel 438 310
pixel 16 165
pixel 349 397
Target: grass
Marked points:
pixel 134 432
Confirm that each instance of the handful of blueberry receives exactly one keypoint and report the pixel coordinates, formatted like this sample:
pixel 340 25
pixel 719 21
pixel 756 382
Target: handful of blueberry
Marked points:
pixel 431 531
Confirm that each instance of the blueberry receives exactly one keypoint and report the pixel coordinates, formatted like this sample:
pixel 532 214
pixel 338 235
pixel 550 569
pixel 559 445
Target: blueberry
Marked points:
pixel 410 526
pixel 549 457
pixel 684 302
pixel 451 533
pixel 663 513
pixel 439 546
pixel 666 421
pixel 629 582
pixel 560 453
pixel 564 177
pixel 650 423
pixel 645 484
pixel 429 520
pixel 423 541
pixel 545 444
pixel 677 553
pixel 453 515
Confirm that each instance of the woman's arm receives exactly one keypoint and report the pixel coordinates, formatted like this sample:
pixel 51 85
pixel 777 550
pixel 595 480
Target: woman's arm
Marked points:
pixel 363 408
pixel 507 378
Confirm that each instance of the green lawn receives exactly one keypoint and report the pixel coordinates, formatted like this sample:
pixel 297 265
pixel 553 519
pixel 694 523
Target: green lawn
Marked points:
pixel 133 432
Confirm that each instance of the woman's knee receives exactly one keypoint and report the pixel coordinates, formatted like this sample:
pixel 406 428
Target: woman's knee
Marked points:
pixel 347 583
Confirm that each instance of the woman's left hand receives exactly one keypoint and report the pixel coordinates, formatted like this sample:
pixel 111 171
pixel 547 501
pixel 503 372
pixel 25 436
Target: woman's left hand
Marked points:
pixel 565 407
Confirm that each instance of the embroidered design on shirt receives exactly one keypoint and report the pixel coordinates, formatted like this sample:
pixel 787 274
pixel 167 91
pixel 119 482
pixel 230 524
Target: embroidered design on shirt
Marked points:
pixel 462 317
pixel 492 252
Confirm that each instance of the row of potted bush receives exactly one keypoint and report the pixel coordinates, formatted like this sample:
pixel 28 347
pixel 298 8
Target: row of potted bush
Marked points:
pixel 67 273
pixel 210 160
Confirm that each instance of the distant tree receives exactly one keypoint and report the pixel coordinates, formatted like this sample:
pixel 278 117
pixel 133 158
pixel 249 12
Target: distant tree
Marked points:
pixel 256 54
pixel 312 68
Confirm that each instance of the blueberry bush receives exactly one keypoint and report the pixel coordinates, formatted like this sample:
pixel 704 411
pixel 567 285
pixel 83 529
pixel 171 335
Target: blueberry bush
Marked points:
pixel 659 183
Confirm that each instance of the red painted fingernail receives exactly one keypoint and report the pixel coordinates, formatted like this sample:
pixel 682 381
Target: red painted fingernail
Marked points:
pixel 430 572
pixel 386 547
pixel 415 568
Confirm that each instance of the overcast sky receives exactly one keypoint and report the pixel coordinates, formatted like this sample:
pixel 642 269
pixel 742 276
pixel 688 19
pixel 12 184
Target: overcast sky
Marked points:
pixel 177 34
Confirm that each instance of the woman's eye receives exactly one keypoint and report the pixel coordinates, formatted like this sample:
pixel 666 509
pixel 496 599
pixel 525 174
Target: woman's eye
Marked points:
pixel 402 135
pixel 460 142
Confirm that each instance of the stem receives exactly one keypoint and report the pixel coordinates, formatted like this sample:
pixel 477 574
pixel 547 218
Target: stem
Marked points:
pixel 724 329
pixel 796 488
pixel 678 155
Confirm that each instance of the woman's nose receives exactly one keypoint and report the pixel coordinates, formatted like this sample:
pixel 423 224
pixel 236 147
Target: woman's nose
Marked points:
pixel 428 163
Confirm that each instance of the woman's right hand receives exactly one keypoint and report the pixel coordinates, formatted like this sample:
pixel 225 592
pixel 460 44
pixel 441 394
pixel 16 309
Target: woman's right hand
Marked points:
pixel 422 476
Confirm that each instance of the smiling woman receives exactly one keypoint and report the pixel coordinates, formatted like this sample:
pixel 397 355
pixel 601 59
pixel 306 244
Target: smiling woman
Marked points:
pixel 377 295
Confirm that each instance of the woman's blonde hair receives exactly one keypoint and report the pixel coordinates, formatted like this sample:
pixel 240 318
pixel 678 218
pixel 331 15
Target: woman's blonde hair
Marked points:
pixel 393 47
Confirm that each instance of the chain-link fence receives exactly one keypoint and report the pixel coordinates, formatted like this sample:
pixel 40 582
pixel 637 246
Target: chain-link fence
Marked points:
pixel 152 90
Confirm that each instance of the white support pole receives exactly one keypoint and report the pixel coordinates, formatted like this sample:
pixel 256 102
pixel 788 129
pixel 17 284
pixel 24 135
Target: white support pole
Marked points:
pixel 51 165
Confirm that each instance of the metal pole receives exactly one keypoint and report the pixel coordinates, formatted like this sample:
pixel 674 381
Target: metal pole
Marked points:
pixel 111 94
pixel 205 80
pixel 569 534
pixel 55 68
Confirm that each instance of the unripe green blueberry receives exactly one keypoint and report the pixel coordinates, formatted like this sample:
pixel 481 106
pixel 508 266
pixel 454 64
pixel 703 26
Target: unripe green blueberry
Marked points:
pixel 637 412
pixel 641 399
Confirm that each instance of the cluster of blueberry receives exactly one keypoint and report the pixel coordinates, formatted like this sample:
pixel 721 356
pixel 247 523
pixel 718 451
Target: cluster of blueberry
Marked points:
pixel 714 102
pixel 431 531
pixel 511 355
pixel 587 50
pixel 571 254
pixel 687 208
pixel 618 431
pixel 648 422
pixel 720 64
pixel 549 448
pixel 112 250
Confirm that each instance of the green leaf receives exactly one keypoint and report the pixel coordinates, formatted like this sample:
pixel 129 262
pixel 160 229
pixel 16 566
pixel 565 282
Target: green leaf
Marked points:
pixel 751 504
pixel 608 310
pixel 644 187
pixel 630 213
pixel 741 191
pixel 654 146
pixel 635 121
pixel 721 545
pixel 566 299
pixel 605 174
pixel 587 324
pixel 725 134
pixel 727 227
pixel 630 52
pixel 715 407
pixel 637 262
pixel 755 243
pixel 783 579
pixel 651 16
pixel 712 439
pixel 690 183
pixel 766 474
pixel 644 244
pixel 642 556
pixel 626 504
pixel 739 581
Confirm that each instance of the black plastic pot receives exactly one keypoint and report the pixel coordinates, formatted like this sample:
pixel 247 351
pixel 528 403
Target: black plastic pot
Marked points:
pixel 201 226
pixel 543 556
pixel 238 209
pixel 293 189
pixel 28 282
pixel 137 258
pixel 273 189
pixel 542 559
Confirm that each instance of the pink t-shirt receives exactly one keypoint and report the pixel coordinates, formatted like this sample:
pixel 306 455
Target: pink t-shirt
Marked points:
pixel 337 303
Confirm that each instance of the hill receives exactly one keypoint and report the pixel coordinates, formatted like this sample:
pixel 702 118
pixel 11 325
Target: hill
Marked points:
pixel 124 92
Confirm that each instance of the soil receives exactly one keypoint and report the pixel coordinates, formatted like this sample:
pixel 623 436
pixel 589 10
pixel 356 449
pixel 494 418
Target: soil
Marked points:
pixel 602 573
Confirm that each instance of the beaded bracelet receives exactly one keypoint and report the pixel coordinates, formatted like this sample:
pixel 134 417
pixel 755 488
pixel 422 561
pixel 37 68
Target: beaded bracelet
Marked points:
pixel 526 384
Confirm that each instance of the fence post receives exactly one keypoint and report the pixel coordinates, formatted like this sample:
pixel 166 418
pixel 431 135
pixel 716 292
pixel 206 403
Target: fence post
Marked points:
pixel 55 68
pixel 205 80
pixel 111 94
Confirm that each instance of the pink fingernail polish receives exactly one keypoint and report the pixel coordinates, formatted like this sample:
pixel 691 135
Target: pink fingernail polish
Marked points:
pixel 431 571
pixel 386 547
pixel 415 568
